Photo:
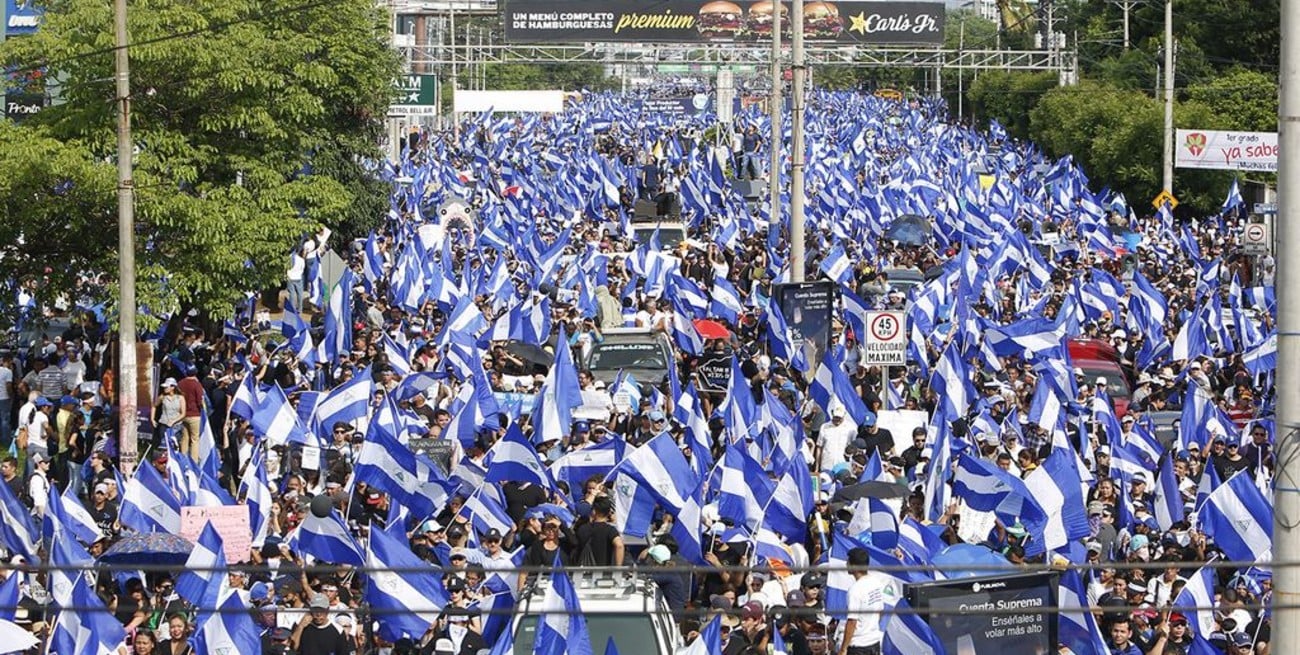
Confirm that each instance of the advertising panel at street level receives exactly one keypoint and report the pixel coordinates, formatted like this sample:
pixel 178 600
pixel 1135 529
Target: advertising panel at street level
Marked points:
pixel 704 21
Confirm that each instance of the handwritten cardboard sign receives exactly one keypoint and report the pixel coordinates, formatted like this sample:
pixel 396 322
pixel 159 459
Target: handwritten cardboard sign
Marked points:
pixel 231 523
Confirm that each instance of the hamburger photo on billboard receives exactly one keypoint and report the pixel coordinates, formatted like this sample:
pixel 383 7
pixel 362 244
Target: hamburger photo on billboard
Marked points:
pixel 821 20
pixel 758 22
pixel 719 20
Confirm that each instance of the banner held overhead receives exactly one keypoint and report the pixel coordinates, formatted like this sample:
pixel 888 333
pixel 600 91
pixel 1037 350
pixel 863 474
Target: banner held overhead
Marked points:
pixel 693 21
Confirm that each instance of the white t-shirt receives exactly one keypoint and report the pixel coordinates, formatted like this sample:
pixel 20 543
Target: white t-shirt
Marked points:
pixel 74 373
pixel 6 379
pixel 36 431
pixel 868 596
pixel 833 439
pixel 39 489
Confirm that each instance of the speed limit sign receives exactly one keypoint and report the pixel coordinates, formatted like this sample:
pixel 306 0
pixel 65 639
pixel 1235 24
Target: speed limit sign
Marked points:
pixel 885 342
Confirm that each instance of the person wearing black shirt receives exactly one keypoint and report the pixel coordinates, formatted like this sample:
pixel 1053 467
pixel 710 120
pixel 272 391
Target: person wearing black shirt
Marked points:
pixel 316 635
pixel 599 543
pixel 878 439
pixel 552 543
pixel 912 456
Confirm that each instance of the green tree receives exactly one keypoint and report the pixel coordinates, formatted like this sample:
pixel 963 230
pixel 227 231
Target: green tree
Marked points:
pixel 1116 136
pixel 1245 99
pixel 1008 97
pixel 253 121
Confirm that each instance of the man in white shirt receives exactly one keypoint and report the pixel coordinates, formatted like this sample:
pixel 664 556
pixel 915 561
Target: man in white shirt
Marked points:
pixel 38 488
pixel 870 594
pixel 833 438
pixel 74 371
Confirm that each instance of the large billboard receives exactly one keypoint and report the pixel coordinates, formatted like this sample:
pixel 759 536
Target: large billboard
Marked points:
pixel 703 21
pixel 991 614
pixel 1227 151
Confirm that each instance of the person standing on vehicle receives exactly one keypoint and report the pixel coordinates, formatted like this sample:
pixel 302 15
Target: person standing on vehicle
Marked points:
pixel 599 542
pixel 749 158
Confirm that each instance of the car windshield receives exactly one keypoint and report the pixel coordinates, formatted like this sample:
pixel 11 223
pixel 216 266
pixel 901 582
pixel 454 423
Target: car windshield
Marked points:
pixel 1116 385
pixel 612 356
pixel 669 237
pixel 633 634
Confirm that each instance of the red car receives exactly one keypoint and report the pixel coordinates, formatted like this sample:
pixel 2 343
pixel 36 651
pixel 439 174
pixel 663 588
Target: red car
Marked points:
pixel 1098 359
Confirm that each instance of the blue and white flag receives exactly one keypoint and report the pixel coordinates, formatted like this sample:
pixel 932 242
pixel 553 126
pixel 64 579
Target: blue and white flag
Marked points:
pixel 1057 487
pixel 908 634
pixel 18 531
pixel 837 266
pixel 405 595
pixel 1234 199
pixel 553 413
pixel 486 511
pixel 338 319
pixel 1168 500
pixel 562 629
pixel 229 630
pixel 276 421
pixel 1197 601
pixel 67 561
pixel 345 403
pixel 88 628
pixel 745 489
pixel 710 640
pixel 411 480
pixel 1239 519
pixel 65 515
pixel 149 504
pixel 327 539
pixel 513 459
pixel 1078 627
pixel 200 581
pixel 987 488
pixel 575 467
pixel 659 468
pixel 831 387
pixel 255 489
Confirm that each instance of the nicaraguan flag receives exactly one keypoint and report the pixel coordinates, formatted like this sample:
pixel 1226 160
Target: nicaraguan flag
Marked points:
pixel 200 581
pixel 513 459
pixel 276 421
pixel 1198 593
pixel 659 468
pixel 1057 487
pixel 404 593
pixel 10 594
pixel 255 489
pixel 411 481
pixel 338 319
pixel 987 488
pixel 17 530
pixel 88 628
pixel 67 560
pixel 831 387
pixel 65 515
pixel 1239 519
pixel 149 504
pixel 345 403
pixel 909 634
pixel 327 539
pixel 745 490
pixel 562 629
pixel 710 640
pixel 576 466
pixel 1168 499
pixel 229 630
pixel 1078 627
pixel 837 266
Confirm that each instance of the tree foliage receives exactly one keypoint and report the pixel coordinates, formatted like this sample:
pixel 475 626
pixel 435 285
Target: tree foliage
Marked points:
pixel 253 120
pixel 1008 97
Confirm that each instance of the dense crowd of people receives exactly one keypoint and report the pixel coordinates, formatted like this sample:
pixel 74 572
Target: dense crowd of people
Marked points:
pixel 420 342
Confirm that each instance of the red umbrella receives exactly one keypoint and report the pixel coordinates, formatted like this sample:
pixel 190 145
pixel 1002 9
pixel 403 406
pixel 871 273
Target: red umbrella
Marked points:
pixel 711 329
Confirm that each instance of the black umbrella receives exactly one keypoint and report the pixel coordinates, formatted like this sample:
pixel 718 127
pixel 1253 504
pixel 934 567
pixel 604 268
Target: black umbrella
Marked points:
pixel 870 489
pixel 909 230
pixel 531 353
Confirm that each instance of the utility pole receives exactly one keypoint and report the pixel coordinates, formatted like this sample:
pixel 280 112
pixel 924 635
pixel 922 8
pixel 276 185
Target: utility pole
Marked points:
pixel 798 69
pixel 1286 490
pixel 1169 98
pixel 126 398
pixel 1126 6
pixel 774 174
